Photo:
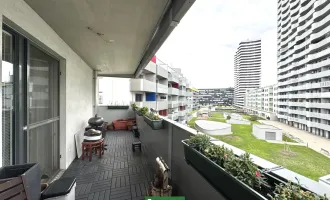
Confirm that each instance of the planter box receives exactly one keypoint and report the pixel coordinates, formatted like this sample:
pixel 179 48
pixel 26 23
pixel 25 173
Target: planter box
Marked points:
pixel 154 124
pixel 223 182
pixel 118 107
pixel 139 113
pixel 20 182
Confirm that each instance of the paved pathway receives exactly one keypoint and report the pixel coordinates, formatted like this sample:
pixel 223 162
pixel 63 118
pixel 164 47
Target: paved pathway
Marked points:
pixel 314 142
pixel 119 175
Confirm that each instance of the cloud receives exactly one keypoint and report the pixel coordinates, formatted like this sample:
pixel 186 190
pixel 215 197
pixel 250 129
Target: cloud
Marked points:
pixel 204 43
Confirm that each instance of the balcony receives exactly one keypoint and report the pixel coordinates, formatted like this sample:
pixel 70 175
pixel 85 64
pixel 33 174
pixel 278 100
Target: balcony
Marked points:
pixel 173 104
pixel 189 94
pixel 173 77
pixel 187 180
pixel 182 93
pixel 173 116
pixel 162 72
pixel 182 113
pixel 162 105
pixel 151 68
pixel 142 85
pixel 173 91
pixel 162 89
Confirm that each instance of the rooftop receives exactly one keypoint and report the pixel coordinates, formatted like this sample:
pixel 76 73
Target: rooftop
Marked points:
pixel 263 126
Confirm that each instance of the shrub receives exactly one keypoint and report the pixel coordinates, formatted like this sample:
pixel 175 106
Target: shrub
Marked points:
pixel 143 110
pixel 268 118
pixel 134 106
pixel 293 191
pixel 228 117
pixel 200 142
pixel 152 116
pixel 246 171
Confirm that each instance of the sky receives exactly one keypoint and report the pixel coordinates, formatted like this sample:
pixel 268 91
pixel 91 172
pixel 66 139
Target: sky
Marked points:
pixel 204 43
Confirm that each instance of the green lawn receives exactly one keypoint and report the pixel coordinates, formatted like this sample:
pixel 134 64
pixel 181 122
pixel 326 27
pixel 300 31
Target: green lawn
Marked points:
pixel 287 139
pixel 306 161
pixel 302 160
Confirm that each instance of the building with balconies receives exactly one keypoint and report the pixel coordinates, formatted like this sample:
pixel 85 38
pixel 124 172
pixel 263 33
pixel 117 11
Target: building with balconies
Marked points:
pixel 303 65
pixel 247 69
pixel 261 102
pixel 215 96
pixel 164 89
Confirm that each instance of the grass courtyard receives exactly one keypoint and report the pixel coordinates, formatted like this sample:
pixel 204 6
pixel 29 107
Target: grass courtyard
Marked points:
pixel 302 160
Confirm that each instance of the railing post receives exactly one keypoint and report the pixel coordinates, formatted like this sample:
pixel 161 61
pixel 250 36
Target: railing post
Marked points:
pixel 170 137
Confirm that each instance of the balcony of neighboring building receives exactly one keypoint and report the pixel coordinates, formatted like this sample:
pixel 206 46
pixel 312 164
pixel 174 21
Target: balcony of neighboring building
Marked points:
pixel 162 88
pixel 162 71
pixel 142 85
pixel 173 91
pixel 151 67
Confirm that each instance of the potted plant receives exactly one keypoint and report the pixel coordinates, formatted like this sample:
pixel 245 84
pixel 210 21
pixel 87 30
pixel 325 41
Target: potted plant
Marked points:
pixel 142 111
pixel 153 120
pixel 134 107
pixel 293 191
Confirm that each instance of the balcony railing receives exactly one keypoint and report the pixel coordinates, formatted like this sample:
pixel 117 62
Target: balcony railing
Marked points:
pixel 185 179
pixel 173 91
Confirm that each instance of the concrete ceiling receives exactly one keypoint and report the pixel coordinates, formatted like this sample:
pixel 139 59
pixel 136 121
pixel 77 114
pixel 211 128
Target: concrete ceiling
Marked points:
pixel 110 35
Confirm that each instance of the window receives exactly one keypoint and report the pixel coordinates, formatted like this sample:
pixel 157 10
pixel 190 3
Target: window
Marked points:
pixel 138 97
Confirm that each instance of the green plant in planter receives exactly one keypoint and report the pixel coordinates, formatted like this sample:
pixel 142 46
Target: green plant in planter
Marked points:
pixel 293 191
pixel 245 170
pixel 218 154
pixel 200 142
pixel 152 116
pixel 143 110
pixel 134 106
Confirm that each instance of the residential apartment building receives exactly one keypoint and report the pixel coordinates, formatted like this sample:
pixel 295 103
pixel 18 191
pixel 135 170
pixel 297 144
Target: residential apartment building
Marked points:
pixel 261 102
pixel 247 69
pixel 163 89
pixel 215 96
pixel 304 65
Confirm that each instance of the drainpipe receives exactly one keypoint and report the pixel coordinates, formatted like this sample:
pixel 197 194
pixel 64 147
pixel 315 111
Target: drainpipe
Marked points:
pixel 95 91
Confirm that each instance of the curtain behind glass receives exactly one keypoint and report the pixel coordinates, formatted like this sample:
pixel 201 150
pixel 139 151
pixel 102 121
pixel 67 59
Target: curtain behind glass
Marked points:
pixel 7 98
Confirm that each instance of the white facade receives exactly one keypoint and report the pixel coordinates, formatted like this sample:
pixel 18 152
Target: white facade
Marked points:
pixel 303 65
pixel 262 102
pixel 163 89
pixel 266 132
pixel 247 69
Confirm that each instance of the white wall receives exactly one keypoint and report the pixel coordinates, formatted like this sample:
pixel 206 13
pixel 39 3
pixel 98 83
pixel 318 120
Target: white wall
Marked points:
pixel 75 81
pixel 110 115
pixel 260 133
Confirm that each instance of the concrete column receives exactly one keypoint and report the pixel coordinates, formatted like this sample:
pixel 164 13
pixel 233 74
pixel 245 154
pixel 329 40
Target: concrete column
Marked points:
pixel 95 91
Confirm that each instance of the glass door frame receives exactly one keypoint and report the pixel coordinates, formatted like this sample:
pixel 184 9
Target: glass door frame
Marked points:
pixel 21 104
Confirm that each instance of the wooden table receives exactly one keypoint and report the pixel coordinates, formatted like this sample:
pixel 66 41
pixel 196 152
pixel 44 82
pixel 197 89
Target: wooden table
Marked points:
pixel 89 146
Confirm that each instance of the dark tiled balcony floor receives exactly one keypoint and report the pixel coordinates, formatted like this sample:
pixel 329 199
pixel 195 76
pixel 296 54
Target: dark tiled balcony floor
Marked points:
pixel 120 173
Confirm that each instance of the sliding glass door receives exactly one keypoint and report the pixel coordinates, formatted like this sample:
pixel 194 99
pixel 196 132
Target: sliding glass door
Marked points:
pixel 30 104
pixel 43 110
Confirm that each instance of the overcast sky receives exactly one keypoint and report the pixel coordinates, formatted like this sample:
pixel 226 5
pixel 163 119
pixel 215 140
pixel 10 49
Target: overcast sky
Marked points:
pixel 204 43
